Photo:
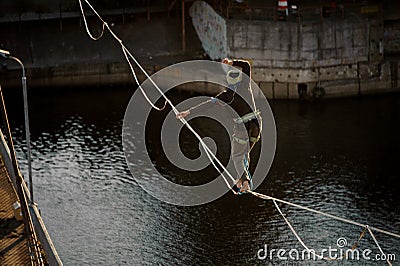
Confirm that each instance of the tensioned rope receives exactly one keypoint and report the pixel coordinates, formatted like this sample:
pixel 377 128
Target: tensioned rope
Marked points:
pixel 266 197
pixel 129 55
pixel 224 173
pixel 334 217
pixel 377 244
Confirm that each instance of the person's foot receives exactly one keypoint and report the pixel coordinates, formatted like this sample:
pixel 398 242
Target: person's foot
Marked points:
pixel 238 185
pixel 245 186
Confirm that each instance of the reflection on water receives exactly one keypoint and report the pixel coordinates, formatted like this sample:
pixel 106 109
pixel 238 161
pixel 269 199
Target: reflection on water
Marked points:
pixel 337 155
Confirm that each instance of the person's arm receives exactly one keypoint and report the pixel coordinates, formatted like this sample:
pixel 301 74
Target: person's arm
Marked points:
pixel 245 67
pixel 222 96
pixel 227 95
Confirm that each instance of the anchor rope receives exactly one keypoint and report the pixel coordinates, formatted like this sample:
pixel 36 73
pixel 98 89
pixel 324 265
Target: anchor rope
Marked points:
pixel 213 159
pixel 295 233
pixel 377 244
pixel 266 197
pixel 348 221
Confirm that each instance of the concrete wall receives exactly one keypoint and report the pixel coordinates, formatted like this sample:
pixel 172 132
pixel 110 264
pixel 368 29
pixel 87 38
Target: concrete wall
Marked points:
pixel 66 56
pixel 295 45
pixel 344 56
pixel 392 37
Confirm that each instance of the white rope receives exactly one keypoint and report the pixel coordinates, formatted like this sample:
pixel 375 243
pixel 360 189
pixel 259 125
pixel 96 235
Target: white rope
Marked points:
pixel 377 244
pixel 266 197
pixel 137 82
pixel 128 55
pixel 369 228
pixel 312 251
pixel 86 25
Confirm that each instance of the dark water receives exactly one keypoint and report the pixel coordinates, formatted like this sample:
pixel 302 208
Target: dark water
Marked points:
pixel 340 156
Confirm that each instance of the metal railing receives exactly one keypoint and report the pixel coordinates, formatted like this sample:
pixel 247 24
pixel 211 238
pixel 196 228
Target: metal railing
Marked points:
pixel 33 243
pixel 31 217
pixel 6 54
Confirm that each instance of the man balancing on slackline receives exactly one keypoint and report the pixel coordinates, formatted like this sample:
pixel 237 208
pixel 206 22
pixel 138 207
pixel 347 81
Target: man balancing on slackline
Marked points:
pixel 240 149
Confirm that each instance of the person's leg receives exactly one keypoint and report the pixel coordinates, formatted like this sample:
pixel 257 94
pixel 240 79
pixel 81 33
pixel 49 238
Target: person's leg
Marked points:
pixel 246 178
pixel 254 135
pixel 239 149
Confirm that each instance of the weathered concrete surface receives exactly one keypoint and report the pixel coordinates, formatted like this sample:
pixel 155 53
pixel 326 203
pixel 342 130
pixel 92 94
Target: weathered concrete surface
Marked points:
pixel 313 44
pixel 344 56
pixel 392 38
pixel 68 57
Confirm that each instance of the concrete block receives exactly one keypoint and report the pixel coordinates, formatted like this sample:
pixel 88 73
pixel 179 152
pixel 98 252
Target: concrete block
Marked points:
pixel 347 89
pixel 385 71
pixel 250 53
pixel 294 58
pixel 271 41
pixel 347 44
pixel 309 42
pixel 339 52
pixel 327 37
pixel 308 28
pixel 329 53
pixel 237 35
pixel 368 86
pixel 364 70
pixel 294 41
pixel 359 37
pixel 267 53
pixel 266 88
pixel 339 38
pixel 284 39
pixel 293 91
pixel 239 39
pixel 255 40
pixel 259 74
pixel 280 90
pixel 309 56
pixel 311 75
pixel 279 55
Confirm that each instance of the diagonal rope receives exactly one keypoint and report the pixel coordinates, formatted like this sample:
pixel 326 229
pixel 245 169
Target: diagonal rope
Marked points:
pixel 128 56
pixel 266 197
pixel 296 234
pixel 366 227
pixel 312 251
pixel 377 244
